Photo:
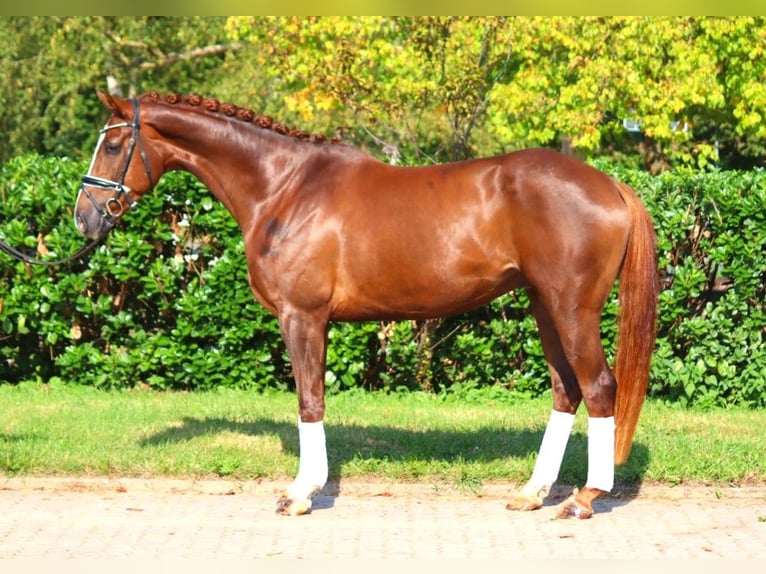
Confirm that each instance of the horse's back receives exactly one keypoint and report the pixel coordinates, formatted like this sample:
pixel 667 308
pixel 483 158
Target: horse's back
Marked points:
pixel 525 179
pixel 535 196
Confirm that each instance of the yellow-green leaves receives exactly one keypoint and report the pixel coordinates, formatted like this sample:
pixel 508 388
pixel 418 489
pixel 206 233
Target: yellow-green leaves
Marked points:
pixel 480 85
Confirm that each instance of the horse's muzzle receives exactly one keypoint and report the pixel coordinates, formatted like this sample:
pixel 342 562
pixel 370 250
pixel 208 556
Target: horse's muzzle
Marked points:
pixel 92 227
pixel 91 222
pixel 97 218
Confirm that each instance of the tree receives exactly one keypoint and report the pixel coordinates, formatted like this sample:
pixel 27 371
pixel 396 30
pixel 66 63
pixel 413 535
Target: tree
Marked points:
pixel 662 76
pixel 691 90
pixel 414 83
pixel 52 66
pixel 671 88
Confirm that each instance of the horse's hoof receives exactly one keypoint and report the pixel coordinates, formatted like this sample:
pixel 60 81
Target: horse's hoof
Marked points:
pixel 572 508
pixel 524 502
pixel 287 506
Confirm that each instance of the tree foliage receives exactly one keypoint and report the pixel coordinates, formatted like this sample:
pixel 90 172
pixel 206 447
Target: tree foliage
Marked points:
pixel 691 90
pixel 692 87
pixel 51 67
pixel 415 83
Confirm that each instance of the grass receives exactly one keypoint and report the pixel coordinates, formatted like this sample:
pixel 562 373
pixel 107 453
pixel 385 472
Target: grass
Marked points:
pixel 62 430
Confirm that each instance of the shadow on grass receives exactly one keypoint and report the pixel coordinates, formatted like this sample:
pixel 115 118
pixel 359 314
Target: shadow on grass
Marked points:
pixel 347 443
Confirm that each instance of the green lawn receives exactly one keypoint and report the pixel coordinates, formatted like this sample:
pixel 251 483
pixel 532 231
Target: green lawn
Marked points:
pixel 65 430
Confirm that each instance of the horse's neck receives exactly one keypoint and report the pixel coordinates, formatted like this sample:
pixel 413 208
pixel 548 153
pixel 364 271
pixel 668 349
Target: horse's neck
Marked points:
pixel 239 163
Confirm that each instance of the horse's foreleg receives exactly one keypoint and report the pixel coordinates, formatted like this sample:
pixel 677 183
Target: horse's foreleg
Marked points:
pixel 312 470
pixel 305 335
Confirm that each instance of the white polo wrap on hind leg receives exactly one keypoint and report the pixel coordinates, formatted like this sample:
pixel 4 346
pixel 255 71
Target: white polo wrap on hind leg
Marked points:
pixel 601 453
pixel 312 468
pixel 551 453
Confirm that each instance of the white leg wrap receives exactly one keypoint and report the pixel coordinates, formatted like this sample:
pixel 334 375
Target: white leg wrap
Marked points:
pixel 551 453
pixel 601 453
pixel 312 468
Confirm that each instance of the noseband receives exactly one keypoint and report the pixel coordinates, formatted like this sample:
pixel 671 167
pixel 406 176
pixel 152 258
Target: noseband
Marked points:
pixel 112 209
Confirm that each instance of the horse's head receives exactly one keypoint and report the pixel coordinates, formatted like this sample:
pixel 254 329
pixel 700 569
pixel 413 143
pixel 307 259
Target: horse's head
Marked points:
pixel 120 171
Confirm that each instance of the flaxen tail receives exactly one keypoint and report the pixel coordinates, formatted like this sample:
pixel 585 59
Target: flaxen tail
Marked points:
pixel 636 323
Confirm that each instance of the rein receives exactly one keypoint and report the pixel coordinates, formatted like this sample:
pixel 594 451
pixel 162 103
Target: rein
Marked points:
pixel 112 209
pixel 13 252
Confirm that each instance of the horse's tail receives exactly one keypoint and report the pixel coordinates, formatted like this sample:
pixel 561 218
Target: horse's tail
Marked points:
pixel 636 323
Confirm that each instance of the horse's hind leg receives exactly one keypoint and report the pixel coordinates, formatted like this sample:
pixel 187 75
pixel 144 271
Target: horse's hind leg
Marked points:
pixel 582 343
pixel 577 321
pixel 566 399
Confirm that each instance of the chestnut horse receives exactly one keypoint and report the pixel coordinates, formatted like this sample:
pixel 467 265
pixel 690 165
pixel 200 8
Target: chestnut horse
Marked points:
pixel 332 234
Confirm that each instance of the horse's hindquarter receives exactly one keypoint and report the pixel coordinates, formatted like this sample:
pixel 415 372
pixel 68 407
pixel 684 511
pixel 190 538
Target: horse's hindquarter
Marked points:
pixel 570 224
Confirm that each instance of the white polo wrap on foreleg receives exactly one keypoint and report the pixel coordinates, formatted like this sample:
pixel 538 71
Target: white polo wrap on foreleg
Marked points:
pixel 551 453
pixel 312 468
pixel 601 453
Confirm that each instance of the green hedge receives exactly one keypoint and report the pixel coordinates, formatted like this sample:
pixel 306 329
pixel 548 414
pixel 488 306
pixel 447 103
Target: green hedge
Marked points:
pixel 165 302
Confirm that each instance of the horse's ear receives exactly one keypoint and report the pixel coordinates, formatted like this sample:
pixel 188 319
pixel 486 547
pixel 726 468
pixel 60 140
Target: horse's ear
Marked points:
pixel 112 104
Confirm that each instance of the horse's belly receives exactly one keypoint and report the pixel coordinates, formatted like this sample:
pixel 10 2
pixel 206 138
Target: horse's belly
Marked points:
pixel 382 299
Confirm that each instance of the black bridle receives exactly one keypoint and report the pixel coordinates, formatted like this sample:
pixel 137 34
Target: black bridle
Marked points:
pixel 112 208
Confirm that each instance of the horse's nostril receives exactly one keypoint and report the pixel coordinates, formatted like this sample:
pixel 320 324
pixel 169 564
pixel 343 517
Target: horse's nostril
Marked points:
pixel 82 225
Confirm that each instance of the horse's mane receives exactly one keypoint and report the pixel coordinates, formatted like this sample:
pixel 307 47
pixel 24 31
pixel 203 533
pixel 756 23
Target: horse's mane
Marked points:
pixel 243 114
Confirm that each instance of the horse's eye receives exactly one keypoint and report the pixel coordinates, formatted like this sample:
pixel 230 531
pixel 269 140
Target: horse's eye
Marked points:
pixel 111 147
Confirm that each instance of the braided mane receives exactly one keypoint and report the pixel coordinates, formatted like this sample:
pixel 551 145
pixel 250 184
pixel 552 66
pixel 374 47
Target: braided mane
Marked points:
pixel 243 114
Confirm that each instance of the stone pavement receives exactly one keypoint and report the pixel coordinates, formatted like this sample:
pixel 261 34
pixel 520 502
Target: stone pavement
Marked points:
pixel 45 518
